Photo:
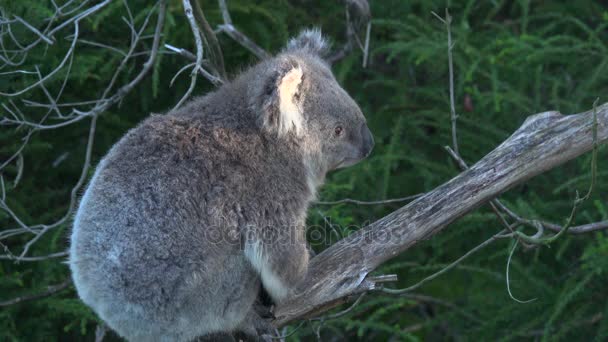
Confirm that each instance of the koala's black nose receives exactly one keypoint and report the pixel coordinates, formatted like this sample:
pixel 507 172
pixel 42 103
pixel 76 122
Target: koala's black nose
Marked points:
pixel 368 140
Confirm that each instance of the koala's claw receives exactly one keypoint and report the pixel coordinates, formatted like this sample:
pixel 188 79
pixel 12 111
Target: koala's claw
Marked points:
pixel 257 328
pixel 265 312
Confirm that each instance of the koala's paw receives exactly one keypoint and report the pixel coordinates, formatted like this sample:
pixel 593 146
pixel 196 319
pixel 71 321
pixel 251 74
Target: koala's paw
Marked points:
pixel 256 328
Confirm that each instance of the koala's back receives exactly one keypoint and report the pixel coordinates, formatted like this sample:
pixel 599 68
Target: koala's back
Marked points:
pixel 155 229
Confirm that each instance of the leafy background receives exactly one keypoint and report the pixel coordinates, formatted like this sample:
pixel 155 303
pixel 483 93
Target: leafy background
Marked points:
pixel 512 59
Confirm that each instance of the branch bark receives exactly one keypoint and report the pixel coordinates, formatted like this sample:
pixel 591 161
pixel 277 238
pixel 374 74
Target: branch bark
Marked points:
pixel 544 141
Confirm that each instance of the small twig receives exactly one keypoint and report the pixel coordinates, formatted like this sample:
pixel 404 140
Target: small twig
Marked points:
pixel 182 52
pixel 582 229
pixel 199 51
pixel 225 13
pixel 507 277
pixel 362 18
pixel 35 30
pixel 453 117
pixel 243 40
pixel 53 72
pixel 235 34
pixel 210 40
pixel 343 312
pixel 359 202
pixel 368 32
pixel 495 237
pixel 36 258
pixel 52 289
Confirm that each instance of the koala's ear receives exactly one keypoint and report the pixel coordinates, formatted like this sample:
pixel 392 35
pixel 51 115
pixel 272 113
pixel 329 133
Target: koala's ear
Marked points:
pixel 311 41
pixel 280 100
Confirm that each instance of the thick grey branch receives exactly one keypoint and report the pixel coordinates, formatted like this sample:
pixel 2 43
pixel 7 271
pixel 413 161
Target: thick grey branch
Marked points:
pixel 543 142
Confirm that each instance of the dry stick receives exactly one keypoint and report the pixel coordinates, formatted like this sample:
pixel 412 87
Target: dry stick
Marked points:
pixel 199 51
pixel 206 64
pixel 448 25
pixel 35 30
pixel 368 32
pixel 582 229
pixel 448 267
pixel 235 34
pixel 243 40
pixel 53 72
pixel 52 289
pixel 348 46
pixel 507 277
pixel 544 141
pixel 225 13
pixel 361 9
pixel 359 202
pixel 210 40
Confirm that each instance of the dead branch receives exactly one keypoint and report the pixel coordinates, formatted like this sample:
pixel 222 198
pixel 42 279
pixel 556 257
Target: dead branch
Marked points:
pixel 229 29
pixel 360 202
pixel 210 40
pixel 544 141
pixel 52 289
pixel 358 15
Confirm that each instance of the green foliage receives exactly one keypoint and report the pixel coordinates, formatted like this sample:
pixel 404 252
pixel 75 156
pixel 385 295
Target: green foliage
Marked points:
pixel 511 59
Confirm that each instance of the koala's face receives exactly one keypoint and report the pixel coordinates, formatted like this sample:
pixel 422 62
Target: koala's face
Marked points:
pixel 299 97
pixel 334 122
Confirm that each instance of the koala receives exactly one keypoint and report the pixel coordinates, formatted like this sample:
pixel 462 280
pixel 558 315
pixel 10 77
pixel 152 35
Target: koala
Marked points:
pixel 193 211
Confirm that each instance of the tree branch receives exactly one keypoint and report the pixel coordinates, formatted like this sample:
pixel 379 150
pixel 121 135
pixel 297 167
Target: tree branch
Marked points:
pixel 210 40
pixel 544 141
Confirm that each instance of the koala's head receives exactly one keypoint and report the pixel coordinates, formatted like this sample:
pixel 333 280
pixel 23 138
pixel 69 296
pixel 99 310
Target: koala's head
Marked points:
pixel 301 100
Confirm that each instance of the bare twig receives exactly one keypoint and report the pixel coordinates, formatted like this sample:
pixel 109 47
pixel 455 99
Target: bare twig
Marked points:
pixel 362 18
pixel 210 41
pixel 235 34
pixel 507 277
pixel 199 52
pixel 447 268
pixel 35 30
pixel 242 39
pixel 51 290
pixel 447 21
pixel 225 13
pixel 359 202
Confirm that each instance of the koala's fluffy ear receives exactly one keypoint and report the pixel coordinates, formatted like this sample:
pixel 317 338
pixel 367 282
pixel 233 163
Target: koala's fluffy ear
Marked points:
pixel 280 100
pixel 311 41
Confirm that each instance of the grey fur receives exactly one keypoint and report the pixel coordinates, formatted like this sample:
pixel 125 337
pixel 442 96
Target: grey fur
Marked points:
pixel 191 211
pixel 311 41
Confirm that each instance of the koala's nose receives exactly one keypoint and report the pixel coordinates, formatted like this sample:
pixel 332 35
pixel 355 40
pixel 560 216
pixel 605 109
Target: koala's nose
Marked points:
pixel 368 140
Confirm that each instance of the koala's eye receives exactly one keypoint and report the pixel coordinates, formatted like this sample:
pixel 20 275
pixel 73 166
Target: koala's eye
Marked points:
pixel 338 130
